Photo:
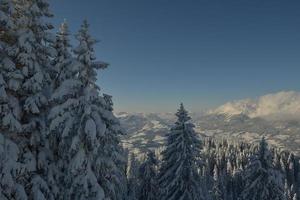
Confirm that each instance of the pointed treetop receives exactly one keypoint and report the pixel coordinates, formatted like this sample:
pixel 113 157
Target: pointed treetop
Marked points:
pixel 181 106
pixel 86 56
pixel 295 196
pixel 264 155
pixel 151 157
pixel 62 36
pixel 182 114
pixel 83 33
pixel 263 139
pixel 84 27
pixel 64 28
pixel 85 24
pixel 216 174
pixel 263 145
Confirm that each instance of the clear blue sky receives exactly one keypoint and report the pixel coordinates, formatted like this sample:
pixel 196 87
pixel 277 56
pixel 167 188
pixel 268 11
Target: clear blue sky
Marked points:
pixel 200 52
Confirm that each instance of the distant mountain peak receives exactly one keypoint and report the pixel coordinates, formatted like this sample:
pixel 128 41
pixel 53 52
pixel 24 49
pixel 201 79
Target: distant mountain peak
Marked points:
pixel 284 105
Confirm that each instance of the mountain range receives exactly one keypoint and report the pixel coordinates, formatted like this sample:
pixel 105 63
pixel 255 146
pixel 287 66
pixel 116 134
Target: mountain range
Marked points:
pixel 275 116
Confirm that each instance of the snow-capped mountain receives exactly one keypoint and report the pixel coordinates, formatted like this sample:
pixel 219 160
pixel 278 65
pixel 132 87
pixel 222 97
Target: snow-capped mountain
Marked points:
pixel 278 106
pixel 276 116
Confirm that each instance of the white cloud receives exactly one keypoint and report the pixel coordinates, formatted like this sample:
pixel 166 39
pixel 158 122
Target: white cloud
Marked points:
pixel 283 105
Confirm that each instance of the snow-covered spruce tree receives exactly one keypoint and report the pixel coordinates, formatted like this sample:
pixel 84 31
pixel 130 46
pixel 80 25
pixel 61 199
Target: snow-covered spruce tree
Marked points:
pixel 24 38
pixel 10 76
pixel 88 130
pixel 64 99
pixel 101 128
pixel 33 53
pixel 216 192
pixel 64 65
pixel 178 177
pixel 10 126
pixel 262 181
pixel 295 196
pixel 133 178
pixel 149 189
pixel 10 171
pixel 287 191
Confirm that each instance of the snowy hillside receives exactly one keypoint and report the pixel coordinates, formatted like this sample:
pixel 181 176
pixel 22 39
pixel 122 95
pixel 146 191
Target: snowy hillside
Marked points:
pixel 271 115
pixel 144 130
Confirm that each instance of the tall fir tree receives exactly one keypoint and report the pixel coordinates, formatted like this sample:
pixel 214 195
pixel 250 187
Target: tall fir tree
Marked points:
pixel 262 181
pixel 110 162
pixel 179 178
pixel 33 55
pixel 86 129
pixel 149 189
pixel 10 76
pixel 63 102
pixel 10 110
pixel 28 44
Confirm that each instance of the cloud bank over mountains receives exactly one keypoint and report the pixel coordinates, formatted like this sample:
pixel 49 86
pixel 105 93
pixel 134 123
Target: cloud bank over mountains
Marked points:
pixel 283 105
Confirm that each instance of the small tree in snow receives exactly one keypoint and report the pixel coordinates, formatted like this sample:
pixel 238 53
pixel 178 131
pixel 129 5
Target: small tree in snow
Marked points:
pixel 217 192
pixel 133 178
pixel 148 177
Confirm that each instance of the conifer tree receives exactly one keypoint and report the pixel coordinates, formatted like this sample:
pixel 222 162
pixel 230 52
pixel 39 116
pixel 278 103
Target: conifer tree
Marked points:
pixel 287 191
pixel 63 101
pixel 10 125
pixel 148 177
pixel 179 178
pixel 217 193
pixel 89 131
pixel 33 56
pixel 262 181
pixel 64 64
pixel 295 196
pixel 27 42
pixel 10 76
pixel 109 164
pixel 133 178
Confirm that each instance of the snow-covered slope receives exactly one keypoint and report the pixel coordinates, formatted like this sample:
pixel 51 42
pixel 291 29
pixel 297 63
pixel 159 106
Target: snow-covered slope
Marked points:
pixel 144 131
